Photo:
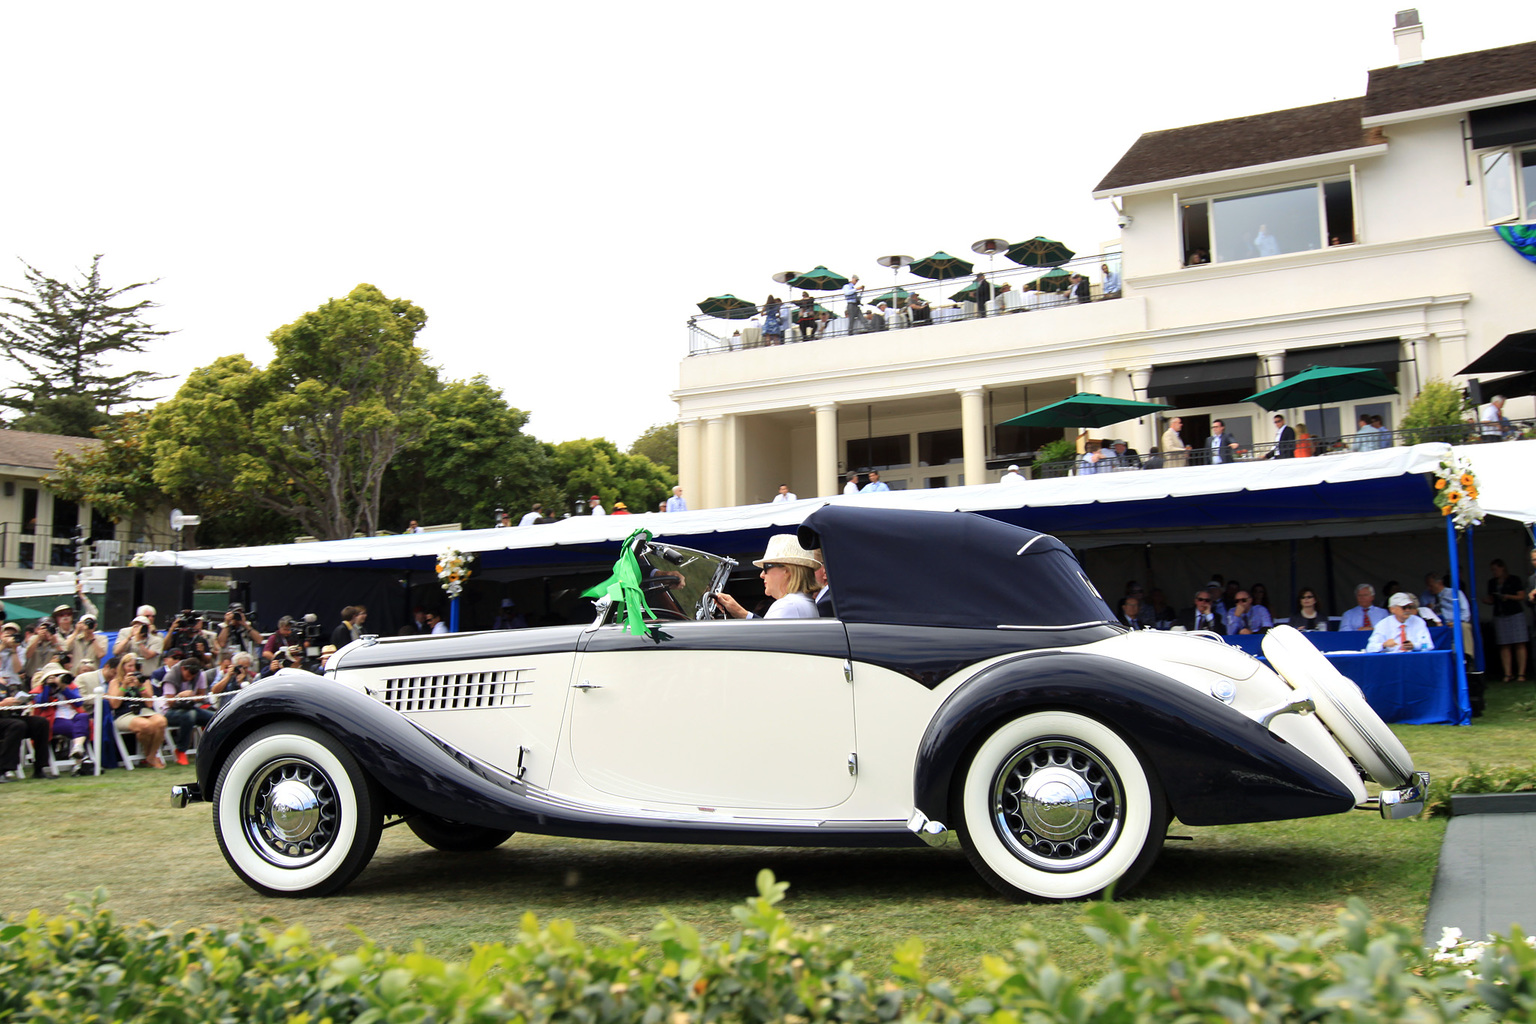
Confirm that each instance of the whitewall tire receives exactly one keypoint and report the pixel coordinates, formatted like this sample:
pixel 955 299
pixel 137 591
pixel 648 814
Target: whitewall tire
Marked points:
pixel 294 813
pixel 1055 805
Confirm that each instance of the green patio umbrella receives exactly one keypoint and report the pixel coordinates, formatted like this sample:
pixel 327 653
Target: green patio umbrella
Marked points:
pixel 819 280
pixel 897 296
pixel 1319 385
pixel 1039 252
pixel 941 266
pixel 1057 280
pixel 1085 409
pixel 728 307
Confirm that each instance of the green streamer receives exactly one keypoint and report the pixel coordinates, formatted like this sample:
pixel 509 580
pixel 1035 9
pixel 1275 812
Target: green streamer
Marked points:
pixel 623 587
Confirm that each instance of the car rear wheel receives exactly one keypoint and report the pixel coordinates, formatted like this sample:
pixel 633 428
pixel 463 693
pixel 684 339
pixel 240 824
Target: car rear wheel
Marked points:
pixel 294 813
pixel 1055 805
pixel 455 836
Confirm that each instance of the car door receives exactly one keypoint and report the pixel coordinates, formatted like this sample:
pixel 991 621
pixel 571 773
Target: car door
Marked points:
pixel 752 714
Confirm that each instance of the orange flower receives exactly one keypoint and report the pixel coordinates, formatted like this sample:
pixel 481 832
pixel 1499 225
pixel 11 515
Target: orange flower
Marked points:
pixel 1452 497
pixel 1440 484
pixel 1466 480
pixel 1446 510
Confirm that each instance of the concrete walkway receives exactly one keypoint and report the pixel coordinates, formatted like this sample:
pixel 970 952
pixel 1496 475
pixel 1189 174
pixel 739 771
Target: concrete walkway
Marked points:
pixel 1486 881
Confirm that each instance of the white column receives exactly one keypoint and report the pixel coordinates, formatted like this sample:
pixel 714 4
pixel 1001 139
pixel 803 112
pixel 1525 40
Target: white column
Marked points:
pixel 1098 382
pixel 1144 432
pixel 714 463
pixel 826 451
pixel 973 435
pixel 689 459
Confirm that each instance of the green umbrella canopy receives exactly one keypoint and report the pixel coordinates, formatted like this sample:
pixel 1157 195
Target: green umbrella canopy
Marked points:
pixel 728 307
pixel 899 296
pixel 1057 280
pixel 941 266
pixel 819 280
pixel 1318 385
pixel 1039 252
pixel 1085 409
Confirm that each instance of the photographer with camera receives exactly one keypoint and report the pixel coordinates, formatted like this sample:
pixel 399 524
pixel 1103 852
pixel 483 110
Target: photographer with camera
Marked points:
pixel 188 711
pixel 187 631
pixel 85 645
pixel 283 645
pixel 140 639
pixel 11 664
pixel 54 685
pixel 137 718
pixel 15 697
pixel 240 674
pixel 238 630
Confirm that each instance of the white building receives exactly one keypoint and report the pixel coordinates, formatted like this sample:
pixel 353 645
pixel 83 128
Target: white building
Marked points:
pixel 1356 232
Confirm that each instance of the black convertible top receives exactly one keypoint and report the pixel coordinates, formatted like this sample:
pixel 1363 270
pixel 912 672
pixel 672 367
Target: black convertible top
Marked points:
pixel 905 567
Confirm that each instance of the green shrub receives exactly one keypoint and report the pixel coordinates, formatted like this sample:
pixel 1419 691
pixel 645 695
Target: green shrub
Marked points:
pixel 1439 413
pixel 87 966
pixel 1478 779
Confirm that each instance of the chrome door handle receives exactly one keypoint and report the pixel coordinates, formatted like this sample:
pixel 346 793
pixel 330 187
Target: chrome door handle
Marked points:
pixel 584 685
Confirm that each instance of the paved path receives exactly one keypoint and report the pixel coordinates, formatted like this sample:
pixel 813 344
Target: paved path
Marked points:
pixel 1486 881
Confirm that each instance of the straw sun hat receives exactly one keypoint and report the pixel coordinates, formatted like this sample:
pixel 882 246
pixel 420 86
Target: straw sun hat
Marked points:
pixel 785 549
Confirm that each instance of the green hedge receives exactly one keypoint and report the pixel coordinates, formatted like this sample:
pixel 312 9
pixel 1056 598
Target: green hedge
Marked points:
pixel 86 966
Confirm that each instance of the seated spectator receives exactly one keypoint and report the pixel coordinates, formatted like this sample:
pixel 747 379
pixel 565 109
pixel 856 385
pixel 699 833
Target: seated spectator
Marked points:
pixel 1153 458
pixel 1261 597
pixel 31 727
pixel 1163 614
pixel 1365 614
pixel 1403 630
pixel 188 711
pixel 509 617
pixel 1203 615
pixel 1309 614
pixel 1447 606
pixel 1246 618
pixel 1132 613
pixel 138 718
pixel 68 723
pixel 1122 456
pixel 1304 444
pixel 920 311
pixel 240 673
pixel 1228 599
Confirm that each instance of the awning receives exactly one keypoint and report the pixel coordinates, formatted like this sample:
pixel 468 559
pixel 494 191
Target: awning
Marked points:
pixel 1318 491
pixel 1514 353
pixel 1508 125
pixel 1384 354
pixel 1516 385
pixel 1210 375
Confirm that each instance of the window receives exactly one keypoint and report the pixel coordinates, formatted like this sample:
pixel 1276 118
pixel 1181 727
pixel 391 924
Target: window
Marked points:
pixel 940 447
pixel 1509 184
pixel 29 510
pixel 894 452
pixel 1296 218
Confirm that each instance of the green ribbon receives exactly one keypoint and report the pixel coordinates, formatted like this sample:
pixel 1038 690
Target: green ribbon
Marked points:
pixel 623 587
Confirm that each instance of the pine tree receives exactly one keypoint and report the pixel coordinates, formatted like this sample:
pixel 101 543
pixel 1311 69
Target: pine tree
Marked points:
pixel 63 333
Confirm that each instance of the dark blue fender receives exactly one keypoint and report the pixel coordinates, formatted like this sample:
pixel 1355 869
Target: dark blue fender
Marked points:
pixel 418 772
pixel 1216 765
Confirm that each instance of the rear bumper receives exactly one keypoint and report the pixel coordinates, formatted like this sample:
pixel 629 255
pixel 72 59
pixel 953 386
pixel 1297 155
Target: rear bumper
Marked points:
pixel 186 793
pixel 1405 802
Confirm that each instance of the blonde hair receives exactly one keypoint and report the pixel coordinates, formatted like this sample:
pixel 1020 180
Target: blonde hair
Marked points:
pixel 801 580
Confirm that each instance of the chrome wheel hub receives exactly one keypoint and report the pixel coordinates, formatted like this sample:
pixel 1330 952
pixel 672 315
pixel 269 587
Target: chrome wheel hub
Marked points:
pixel 289 812
pixel 1057 804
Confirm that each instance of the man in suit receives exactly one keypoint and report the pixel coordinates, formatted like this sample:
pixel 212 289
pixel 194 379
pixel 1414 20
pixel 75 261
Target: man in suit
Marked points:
pixel 983 294
pixel 824 595
pixel 1203 615
pixel 1285 440
pixel 1219 447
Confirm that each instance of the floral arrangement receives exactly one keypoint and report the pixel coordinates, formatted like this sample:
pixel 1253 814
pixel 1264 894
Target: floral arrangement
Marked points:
pixel 453 569
pixel 1456 492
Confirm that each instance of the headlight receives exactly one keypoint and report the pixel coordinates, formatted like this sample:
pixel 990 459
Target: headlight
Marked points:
pixel 1224 690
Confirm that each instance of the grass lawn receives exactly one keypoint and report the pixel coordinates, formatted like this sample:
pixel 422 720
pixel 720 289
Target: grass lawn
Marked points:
pixel 163 864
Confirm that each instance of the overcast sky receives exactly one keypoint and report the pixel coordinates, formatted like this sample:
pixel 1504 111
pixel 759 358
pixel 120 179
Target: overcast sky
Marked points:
pixel 557 184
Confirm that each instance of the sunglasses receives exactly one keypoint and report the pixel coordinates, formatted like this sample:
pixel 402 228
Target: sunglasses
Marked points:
pixel 772 565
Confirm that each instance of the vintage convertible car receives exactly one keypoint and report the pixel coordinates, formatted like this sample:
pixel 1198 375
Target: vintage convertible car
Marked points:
pixel 973 684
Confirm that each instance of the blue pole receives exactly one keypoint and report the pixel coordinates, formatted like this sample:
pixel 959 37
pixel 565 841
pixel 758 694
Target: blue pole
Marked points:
pixel 1479 654
pixel 1463 698
pixel 453 615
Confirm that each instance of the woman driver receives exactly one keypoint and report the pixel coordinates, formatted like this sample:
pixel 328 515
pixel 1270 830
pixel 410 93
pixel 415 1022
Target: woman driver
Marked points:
pixel 789 577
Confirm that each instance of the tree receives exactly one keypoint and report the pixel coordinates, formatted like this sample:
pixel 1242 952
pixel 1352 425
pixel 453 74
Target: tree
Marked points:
pixel 589 466
pixel 1438 413
pixel 659 444
pixel 473 459
pixel 311 436
pixel 62 333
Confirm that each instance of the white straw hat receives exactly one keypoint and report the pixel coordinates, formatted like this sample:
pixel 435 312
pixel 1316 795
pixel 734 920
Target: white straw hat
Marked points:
pixel 785 549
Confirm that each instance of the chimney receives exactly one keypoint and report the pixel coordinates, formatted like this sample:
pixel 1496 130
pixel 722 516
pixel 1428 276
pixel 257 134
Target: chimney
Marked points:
pixel 1409 36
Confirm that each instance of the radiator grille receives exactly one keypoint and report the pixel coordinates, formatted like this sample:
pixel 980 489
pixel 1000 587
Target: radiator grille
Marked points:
pixel 508 688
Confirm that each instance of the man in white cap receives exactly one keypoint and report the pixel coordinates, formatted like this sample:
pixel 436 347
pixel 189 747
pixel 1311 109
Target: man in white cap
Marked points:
pixel 1403 631
pixel 141 640
pixel 1011 477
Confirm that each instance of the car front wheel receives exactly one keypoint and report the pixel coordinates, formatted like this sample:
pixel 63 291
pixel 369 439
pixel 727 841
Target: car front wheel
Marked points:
pixel 455 836
pixel 1055 805
pixel 294 813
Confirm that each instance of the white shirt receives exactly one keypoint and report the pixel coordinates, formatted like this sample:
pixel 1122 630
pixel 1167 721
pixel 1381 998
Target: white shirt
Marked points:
pixel 1012 478
pixel 529 519
pixel 785 496
pixel 441 627
pixel 851 487
pixel 1390 629
pixel 793 606
pixel 598 510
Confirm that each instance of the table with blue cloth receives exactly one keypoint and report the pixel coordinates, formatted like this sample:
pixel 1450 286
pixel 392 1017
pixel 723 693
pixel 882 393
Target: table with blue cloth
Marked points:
pixel 1414 688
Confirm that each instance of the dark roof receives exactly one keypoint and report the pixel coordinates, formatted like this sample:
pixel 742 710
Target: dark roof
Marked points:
pixel 36 451
pixel 1241 142
pixel 960 569
pixel 1455 79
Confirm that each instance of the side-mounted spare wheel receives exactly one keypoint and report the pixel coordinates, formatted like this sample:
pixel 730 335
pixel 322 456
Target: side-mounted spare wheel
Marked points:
pixel 294 812
pixel 1055 805
pixel 455 836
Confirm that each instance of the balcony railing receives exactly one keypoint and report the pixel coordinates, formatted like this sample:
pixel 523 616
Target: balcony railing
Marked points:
pixel 708 335
pixel 23 547
pixel 1329 445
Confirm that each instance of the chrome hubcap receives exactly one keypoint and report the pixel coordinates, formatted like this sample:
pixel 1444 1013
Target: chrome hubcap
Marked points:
pixel 290 812
pixel 1057 804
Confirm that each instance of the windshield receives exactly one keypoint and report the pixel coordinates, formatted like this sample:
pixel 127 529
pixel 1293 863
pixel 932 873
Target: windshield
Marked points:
pixel 681 582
